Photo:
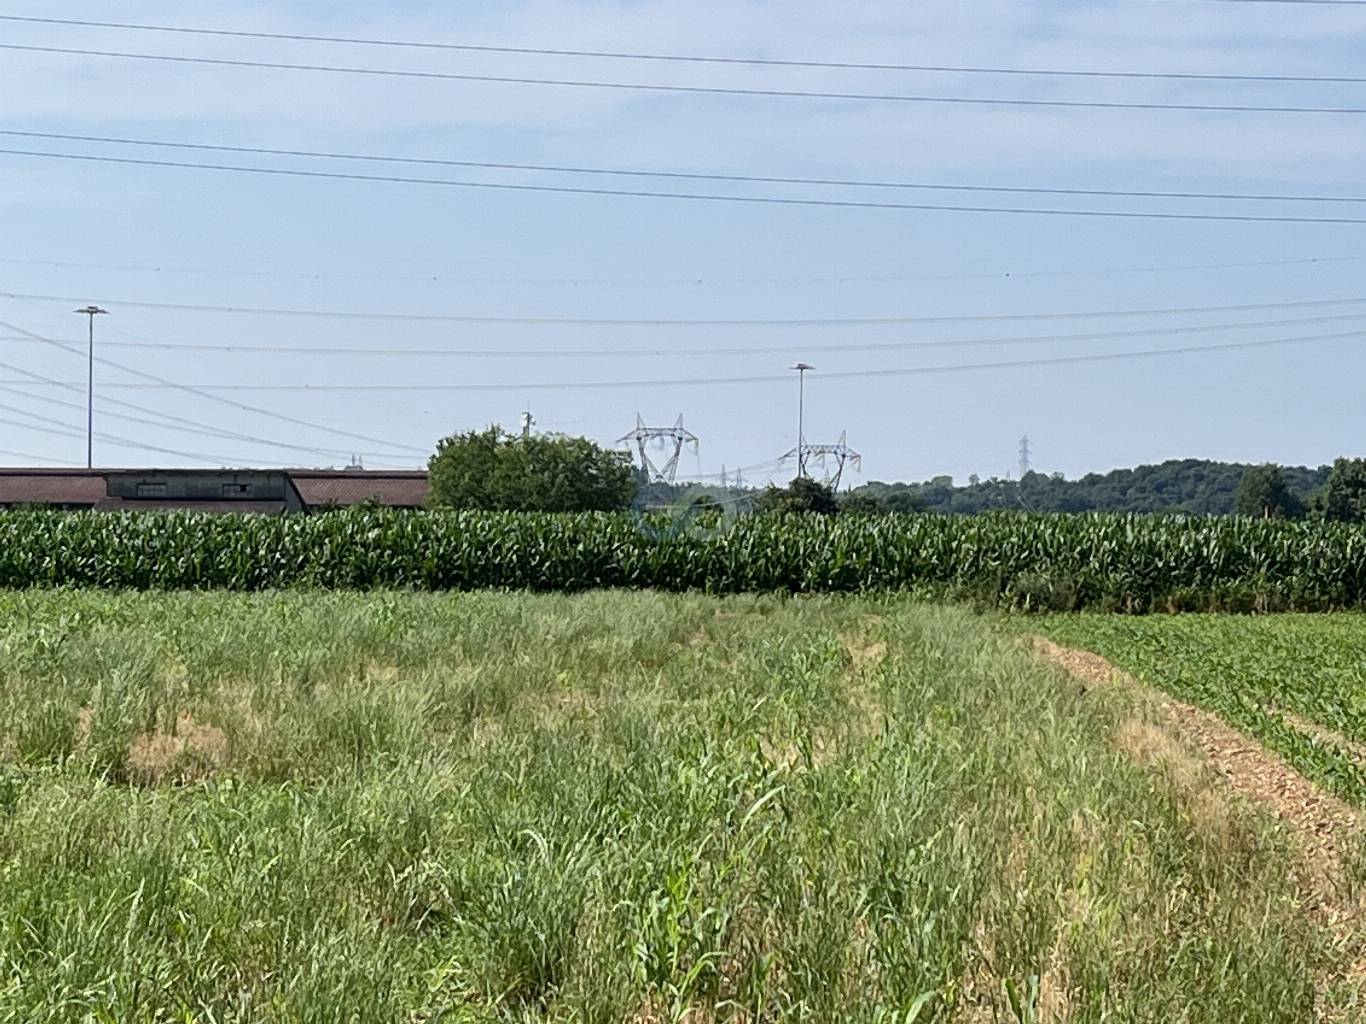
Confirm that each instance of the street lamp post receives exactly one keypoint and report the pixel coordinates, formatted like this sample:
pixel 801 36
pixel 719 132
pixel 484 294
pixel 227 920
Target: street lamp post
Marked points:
pixel 91 311
pixel 801 369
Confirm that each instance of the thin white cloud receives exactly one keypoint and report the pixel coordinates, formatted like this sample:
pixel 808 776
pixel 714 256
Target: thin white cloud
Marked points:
pixel 274 108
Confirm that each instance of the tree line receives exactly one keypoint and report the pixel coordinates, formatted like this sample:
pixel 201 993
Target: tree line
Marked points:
pixel 1193 486
pixel 493 469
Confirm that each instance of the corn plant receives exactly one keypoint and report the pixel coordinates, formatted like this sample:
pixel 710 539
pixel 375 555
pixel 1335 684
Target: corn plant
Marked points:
pixel 1117 562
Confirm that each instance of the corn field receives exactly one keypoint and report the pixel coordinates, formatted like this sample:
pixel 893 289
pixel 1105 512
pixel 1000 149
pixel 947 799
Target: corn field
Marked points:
pixel 1115 562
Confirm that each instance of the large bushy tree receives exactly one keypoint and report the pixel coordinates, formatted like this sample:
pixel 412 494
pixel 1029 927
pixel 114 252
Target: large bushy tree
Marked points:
pixel 801 495
pixel 492 469
pixel 1343 498
pixel 1263 493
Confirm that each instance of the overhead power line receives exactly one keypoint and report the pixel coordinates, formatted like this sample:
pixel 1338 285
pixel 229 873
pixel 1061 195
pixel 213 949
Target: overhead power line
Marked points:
pixel 767 378
pixel 747 179
pixel 681 58
pixel 690 351
pixel 179 424
pixel 163 420
pixel 241 406
pixel 30 457
pixel 80 406
pixel 762 200
pixel 62 429
pixel 703 90
pixel 847 321
pixel 270 413
pixel 698 279
pixel 758 467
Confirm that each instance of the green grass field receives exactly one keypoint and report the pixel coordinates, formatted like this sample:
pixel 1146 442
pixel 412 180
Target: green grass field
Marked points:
pixel 1296 682
pixel 608 807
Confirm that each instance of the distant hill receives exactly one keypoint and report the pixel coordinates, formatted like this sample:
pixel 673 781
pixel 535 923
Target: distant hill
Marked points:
pixel 1180 485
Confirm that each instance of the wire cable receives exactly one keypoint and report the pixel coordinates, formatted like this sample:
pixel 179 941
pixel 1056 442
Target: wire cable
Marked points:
pixel 714 198
pixel 166 419
pixel 749 179
pixel 261 411
pixel 696 58
pixel 739 350
pixel 694 90
pixel 122 442
pixel 182 425
pixel 698 279
pixel 30 457
pixel 765 378
pixel 848 321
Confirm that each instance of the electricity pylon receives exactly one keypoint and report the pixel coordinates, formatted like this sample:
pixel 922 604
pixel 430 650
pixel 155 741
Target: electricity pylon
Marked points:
pixel 839 455
pixel 660 437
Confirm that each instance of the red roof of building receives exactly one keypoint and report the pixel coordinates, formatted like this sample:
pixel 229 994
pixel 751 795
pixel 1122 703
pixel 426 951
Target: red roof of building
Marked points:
pixel 51 487
pixel 399 488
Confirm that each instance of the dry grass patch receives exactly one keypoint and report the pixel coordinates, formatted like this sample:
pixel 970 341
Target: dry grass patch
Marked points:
pixel 381 673
pixel 189 751
pixel 865 653
pixel 80 734
pixel 698 638
pixel 868 659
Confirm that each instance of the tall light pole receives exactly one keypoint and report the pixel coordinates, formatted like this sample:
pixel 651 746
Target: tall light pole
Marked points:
pixel 92 312
pixel 801 369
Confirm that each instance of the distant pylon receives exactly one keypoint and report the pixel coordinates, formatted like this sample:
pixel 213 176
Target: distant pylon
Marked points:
pixel 662 437
pixel 839 454
pixel 1024 457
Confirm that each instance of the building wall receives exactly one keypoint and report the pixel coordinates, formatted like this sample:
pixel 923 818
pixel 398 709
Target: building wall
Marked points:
pixel 203 485
pixel 216 490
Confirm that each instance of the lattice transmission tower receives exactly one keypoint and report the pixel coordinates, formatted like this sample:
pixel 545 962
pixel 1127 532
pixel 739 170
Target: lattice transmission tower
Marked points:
pixel 670 440
pixel 832 459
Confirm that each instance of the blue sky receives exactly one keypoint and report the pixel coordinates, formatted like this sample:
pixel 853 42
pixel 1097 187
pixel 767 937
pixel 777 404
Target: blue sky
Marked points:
pixel 67 229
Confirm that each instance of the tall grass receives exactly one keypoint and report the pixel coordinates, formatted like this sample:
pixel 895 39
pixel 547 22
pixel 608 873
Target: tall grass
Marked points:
pixel 1131 563
pixel 609 807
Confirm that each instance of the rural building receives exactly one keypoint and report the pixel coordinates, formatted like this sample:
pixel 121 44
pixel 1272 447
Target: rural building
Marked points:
pixel 319 488
pixel 268 491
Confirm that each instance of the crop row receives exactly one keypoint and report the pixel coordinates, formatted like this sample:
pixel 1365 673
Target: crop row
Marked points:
pixel 1132 563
